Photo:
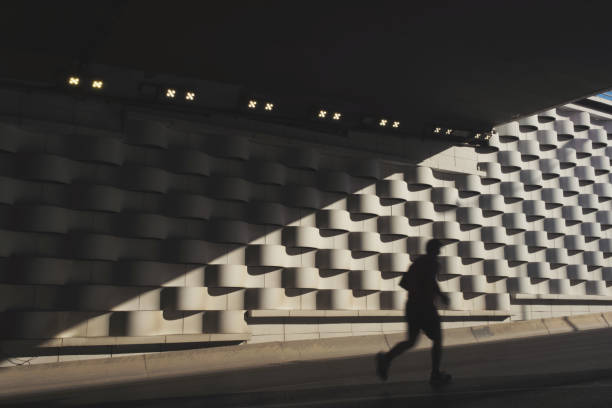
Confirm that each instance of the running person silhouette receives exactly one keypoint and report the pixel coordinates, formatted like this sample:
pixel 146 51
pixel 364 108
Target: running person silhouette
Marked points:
pixel 421 313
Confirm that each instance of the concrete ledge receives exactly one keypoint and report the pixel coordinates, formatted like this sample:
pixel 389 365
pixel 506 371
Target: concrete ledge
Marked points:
pixel 78 374
pixel 369 313
pixel 12 345
pixel 592 298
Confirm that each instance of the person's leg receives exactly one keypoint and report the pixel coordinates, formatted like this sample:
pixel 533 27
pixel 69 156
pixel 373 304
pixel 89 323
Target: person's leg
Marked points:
pixel 399 348
pixel 432 329
pixel 383 360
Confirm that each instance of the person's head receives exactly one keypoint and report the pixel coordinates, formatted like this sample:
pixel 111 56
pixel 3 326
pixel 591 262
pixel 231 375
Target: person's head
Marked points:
pixel 433 247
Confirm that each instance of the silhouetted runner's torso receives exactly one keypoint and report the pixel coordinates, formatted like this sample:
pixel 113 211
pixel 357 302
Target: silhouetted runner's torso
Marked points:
pixel 420 281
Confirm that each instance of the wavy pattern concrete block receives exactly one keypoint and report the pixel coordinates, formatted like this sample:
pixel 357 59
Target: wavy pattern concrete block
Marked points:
pixel 529 149
pixel 534 209
pixel 45 167
pixel 227 231
pixel 267 172
pixel 447 231
pixel 99 149
pixel 553 197
pixel 528 123
pixel 184 161
pixel 492 203
pixel 302 237
pixel 144 178
pixel 567 157
pixel 334 181
pixel 152 226
pixel 184 205
pixel 547 138
pixel 267 255
pixel 394 262
pixel 393 225
pixel 598 137
pixel 338 220
pixel 230 188
pixel 302 196
pixel 271 213
pixel 231 147
pixel 584 147
pixel 470 216
pixel 492 170
pixel 392 189
pixel 581 120
pixel 509 131
pixel 497 267
pixel 146 133
pixel 303 158
pixel 446 196
pixel 420 210
pixel 364 204
pixel 420 176
pixel 512 190
pixel 569 184
pixel 225 276
pixel 565 129
pixel 514 221
pixel 536 239
pixel 366 168
pixel 510 160
pixel 578 272
pixel 301 278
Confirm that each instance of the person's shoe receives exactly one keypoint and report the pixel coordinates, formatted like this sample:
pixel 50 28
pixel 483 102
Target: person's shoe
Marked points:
pixel 440 378
pixel 382 366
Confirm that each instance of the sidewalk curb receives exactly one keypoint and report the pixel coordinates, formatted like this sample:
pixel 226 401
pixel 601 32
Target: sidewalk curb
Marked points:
pixel 19 381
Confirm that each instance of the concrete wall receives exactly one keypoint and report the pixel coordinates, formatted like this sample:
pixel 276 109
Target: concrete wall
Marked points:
pixel 121 225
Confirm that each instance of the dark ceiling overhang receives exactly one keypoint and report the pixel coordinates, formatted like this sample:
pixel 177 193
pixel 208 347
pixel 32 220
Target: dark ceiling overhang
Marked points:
pixel 468 64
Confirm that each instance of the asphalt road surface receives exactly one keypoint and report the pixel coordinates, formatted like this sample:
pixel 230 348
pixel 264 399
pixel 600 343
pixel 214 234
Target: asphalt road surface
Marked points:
pixel 568 370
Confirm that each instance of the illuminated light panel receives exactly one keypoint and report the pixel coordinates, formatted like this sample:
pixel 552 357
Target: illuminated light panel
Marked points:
pixel 449 131
pixel 74 81
pixel 437 130
pixel 322 113
pixel 170 93
pixel 269 106
pixel 477 136
pixel 337 116
pixel 97 84
pixel 487 136
pixel 383 122
pixel 252 104
pixel 190 96
pixel 396 124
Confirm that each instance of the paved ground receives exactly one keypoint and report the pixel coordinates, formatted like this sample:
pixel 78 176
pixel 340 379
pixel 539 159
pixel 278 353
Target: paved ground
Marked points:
pixel 567 370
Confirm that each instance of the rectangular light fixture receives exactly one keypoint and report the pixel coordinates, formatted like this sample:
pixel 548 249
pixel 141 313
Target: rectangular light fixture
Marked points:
pixel 190 96
pixel 74 81
pixel 170 93
pixel 97 84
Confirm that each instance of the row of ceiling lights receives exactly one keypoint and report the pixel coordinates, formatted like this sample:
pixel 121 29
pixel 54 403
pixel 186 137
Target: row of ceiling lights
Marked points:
pixel 98 84
pixel 321 114
pixel 252 104
pixel 267 106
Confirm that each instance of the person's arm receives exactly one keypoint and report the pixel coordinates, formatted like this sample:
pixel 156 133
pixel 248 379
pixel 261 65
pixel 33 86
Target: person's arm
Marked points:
pixel 441 294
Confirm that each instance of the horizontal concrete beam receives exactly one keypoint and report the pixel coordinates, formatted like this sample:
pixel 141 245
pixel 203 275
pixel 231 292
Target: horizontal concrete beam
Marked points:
pixel 79 374
pixel 369 313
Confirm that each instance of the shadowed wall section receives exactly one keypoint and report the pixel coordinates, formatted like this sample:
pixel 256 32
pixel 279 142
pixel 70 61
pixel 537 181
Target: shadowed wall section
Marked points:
pixel 123 227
